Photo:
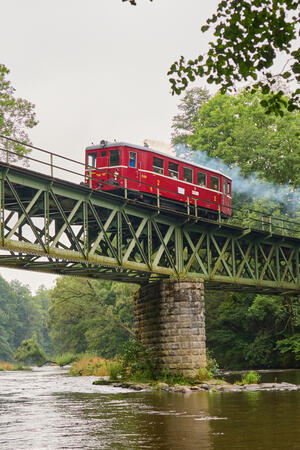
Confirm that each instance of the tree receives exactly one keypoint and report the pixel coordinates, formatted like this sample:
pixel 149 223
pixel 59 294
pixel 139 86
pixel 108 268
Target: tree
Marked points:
pixel 249 34
pixel 16 116
pixel 90 316
pixel 184 122
pixel 236 129
pixel 30 352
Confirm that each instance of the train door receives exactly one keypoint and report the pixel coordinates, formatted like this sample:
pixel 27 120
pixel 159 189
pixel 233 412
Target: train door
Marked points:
pixel 133 166
pixel 226 200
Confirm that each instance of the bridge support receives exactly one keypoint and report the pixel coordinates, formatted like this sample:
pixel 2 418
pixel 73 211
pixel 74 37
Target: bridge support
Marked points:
pixel 170 316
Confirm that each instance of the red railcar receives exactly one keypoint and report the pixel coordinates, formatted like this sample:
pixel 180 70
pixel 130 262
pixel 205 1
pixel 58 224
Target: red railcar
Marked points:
pixel 147 173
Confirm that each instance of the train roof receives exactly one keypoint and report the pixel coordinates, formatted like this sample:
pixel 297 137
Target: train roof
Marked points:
pixel 107 144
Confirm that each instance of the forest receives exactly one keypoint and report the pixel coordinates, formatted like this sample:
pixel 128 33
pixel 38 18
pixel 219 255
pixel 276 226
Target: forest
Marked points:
pixel 243 330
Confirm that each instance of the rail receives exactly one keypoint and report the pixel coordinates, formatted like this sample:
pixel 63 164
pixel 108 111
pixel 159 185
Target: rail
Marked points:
pixel 250 219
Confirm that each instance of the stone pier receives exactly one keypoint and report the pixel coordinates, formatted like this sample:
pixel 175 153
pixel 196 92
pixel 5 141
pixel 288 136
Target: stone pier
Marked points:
pixel 170 316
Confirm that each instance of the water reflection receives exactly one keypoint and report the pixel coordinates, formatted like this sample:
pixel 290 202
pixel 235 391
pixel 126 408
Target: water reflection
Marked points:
pixel 46 409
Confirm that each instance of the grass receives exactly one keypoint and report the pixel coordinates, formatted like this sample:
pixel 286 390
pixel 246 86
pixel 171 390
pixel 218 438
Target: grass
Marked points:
pixel 10 366
pixel 90 365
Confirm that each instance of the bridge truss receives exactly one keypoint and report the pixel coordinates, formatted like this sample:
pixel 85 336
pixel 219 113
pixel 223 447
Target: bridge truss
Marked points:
pixel 55 226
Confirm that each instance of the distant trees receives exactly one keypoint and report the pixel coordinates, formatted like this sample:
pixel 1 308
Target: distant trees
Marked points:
pixel 253 331
pixel 93 316
pixel 16 116
pixel 21 316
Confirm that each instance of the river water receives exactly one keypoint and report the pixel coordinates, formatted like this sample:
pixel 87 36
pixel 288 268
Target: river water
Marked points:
pixel 47 409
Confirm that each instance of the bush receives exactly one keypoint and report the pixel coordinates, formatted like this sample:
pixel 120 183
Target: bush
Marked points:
pixel 138 361
pixel 114 369
pixel 251 378
pixel 66 358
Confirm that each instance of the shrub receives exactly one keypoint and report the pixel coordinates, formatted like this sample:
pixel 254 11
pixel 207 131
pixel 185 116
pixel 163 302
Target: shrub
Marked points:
pixel 114 369
pixel 204 374
pixel 66 358
pixel 251 378
pixel 138 361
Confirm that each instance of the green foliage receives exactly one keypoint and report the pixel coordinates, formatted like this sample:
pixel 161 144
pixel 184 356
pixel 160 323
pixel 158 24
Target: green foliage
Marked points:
pixel 114 369
pixel 235 129
pixel 31 352
pixel 253 331
pixel 184 122
pixel 90 316
pixel 212 366
pixel 290 345
pixel 16 115
pixel 248 36
pixel 21 315
pixel 250 378
pixel 66 358
pixel 171 378
pixel 204 374
pixel 138 361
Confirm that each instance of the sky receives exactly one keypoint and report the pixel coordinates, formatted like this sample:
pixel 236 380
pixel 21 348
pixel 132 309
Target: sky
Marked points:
pixel 97 69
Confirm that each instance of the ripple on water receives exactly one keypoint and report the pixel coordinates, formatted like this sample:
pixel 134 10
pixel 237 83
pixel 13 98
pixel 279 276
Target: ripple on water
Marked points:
pixel 46 409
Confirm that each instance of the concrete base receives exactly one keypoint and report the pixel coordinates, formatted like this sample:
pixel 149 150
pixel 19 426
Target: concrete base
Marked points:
pixel 170 316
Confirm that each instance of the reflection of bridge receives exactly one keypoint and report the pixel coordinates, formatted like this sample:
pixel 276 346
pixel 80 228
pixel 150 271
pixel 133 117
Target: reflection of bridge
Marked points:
pixel 48 224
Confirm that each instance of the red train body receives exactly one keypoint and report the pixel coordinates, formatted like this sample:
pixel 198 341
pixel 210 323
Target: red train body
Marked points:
pixel 146 172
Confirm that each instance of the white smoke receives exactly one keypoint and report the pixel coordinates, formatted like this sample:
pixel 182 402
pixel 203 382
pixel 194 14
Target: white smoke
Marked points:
pixel 251 185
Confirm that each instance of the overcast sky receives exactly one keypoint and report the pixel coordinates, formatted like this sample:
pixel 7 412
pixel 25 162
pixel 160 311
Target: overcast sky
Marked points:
pixel 97 69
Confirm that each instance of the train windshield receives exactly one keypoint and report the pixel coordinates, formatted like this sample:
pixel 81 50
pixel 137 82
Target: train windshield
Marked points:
pixel 114 157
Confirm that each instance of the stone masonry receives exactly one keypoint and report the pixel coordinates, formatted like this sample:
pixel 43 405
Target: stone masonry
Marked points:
pixel 170 316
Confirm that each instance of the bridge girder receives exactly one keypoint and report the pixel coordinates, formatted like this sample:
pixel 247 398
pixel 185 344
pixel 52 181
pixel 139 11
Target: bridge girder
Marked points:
pixel 51 225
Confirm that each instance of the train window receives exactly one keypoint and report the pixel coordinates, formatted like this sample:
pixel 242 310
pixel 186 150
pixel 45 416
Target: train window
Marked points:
pixel 201 179
pixel 224 187
pixel 173 170
pixel 188 174
pixel 114 157
pixel 92 159
pixel 228 188
pixel 103 154
pixel 214 183
pixel 132 159
pixel 158 165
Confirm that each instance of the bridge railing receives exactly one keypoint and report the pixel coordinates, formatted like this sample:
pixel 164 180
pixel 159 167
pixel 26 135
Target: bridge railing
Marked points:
pixel 62 167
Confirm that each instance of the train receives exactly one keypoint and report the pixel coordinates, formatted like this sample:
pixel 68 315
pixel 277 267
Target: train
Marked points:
pixel 147 174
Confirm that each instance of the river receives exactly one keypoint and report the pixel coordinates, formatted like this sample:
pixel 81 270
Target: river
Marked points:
pixel 47 409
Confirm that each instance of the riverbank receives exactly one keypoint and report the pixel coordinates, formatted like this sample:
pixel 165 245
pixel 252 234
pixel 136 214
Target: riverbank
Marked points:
pixel 210 386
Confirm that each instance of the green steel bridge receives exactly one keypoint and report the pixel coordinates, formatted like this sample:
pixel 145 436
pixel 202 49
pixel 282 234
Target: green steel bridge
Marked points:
pixel 51 224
